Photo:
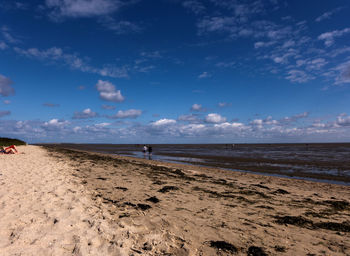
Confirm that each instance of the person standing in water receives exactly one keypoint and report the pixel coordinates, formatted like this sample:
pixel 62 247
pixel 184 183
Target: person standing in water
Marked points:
pixel 149 151
pixel 144 150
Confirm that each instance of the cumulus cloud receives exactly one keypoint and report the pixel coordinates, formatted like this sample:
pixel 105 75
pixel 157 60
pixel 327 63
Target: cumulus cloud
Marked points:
pixel 54 124
pixel 81 8
pixel 86 113
pixel 5 86
pixel 234 127
pixel 108 91
pixel 189 118
pixel 4 113
pixel 343 120
pixel 164 122
pixel 329 37
pixel 294 118
pixel 130 113
pixel 259 123
pixel 215 118
pixel 197 107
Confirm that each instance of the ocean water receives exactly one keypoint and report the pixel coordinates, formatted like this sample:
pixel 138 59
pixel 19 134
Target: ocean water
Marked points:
pixel 329 162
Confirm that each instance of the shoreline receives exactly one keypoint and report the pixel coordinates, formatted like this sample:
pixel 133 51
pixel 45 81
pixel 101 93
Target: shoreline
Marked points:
pixel 210 213
pixel 258 165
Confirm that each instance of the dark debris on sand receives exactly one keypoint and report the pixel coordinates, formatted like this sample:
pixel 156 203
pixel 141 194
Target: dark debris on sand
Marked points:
pixel 153 199
pixel 224 246
pixel 256 251
pixel 305 223
pixel 166 189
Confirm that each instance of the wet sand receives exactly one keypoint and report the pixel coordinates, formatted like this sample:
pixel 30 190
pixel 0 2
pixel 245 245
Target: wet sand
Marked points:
pixel 328 162
pixel 144 207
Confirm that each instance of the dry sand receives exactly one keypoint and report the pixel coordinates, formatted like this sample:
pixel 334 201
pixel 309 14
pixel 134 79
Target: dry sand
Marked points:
pixel 63 202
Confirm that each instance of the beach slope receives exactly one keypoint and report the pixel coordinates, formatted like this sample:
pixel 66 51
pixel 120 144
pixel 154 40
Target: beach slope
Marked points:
pixel 64 202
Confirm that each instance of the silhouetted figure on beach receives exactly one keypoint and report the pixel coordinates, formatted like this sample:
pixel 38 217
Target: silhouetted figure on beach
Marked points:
pixel 150 152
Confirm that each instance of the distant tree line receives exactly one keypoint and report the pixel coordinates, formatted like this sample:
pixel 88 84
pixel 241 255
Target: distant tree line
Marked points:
pixel 8 141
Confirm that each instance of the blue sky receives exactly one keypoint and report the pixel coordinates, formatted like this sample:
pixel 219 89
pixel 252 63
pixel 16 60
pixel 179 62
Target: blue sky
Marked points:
pixel 171 71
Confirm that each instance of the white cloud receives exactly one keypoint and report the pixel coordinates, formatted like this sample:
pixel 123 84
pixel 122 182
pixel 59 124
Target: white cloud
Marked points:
pixel 327 15
pixel 86 113
pixel 343 120
pixel 8 36
pixel 3 46
pixel 130 113
pixel 189 118
pixel 102 124
pixel 120 27
pixel 194 6
pixel 197 107
pixel 7 102
pixel 151 55
pixel 55 54
pixel 217 24
pixel 344 73
pixel 224 104
pixel 81 8
pixel 4 113
pixel 108 91
pixel 228 125
pixel 264 44
pixel 5 86
pixel 55 124
pixel 329 37
pixel 317 63
pixel 225 64
pixel 258 122
pixel 164 122
pixel 204 75
pixel 299 76
pixel 215 118
pixel 294 118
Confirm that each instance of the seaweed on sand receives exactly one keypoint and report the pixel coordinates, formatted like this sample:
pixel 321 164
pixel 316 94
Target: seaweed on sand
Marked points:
pixel 167 189
pixel 256 251
pixel 153 199
pixel 305 223
pixel 294 220
pixel 222 245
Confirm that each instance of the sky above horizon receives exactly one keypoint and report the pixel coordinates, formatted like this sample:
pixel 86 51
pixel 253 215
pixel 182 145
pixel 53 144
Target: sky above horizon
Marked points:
pixel 171 71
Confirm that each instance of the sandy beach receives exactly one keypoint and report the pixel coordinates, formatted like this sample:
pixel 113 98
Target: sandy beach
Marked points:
pixel 65 202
